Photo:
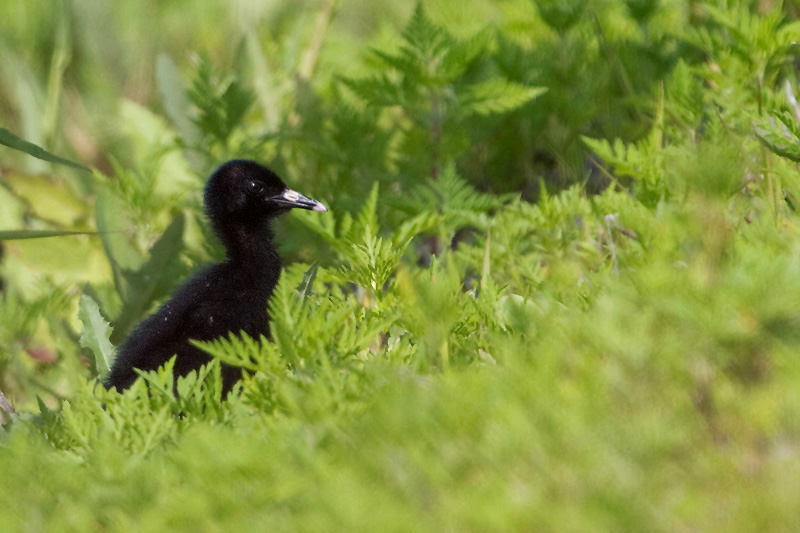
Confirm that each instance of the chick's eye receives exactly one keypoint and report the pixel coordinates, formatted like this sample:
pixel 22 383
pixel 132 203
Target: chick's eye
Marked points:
pixel 255 187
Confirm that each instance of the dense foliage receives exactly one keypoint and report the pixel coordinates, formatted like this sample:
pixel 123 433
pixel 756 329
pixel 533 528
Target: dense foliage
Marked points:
pixel 558 287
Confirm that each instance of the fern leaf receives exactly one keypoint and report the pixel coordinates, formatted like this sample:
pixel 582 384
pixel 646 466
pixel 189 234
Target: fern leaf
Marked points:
pixel 496 96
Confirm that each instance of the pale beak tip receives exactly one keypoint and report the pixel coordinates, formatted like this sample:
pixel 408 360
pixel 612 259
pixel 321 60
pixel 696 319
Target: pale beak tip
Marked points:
pixel 319 207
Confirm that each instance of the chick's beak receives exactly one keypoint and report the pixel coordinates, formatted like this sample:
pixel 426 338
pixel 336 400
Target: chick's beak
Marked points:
pixel 290 199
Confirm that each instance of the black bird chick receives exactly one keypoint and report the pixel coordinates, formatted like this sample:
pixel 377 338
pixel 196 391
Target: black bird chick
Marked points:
pixel 241 198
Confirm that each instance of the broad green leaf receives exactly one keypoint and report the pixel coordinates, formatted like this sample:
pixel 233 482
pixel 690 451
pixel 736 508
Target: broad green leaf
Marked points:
pixel 12 141
pixel 111 220
pixel 112 223
pixel 175 100
pixel 95 335
pixel 48 198
pixel 141 287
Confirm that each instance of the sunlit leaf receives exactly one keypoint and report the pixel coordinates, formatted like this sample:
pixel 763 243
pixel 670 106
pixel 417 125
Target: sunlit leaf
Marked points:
pixel 95 335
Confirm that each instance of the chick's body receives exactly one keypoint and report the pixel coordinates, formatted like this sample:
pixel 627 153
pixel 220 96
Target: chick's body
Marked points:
pixel 241 198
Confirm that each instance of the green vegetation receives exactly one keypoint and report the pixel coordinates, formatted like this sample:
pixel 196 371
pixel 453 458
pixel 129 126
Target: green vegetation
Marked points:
pixel 558 288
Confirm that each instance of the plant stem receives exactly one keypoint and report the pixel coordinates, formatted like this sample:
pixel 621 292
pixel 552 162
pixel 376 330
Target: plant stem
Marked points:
pixel 311 53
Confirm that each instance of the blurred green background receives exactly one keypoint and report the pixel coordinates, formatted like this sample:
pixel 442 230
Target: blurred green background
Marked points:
pixel 558 287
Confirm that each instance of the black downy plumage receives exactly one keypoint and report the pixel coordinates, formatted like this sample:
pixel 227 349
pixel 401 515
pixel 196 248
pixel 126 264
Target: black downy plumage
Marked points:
pixel 241 198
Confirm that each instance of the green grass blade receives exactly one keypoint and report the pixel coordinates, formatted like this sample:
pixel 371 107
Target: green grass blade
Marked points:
pixel 19 234
pixel 12 141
